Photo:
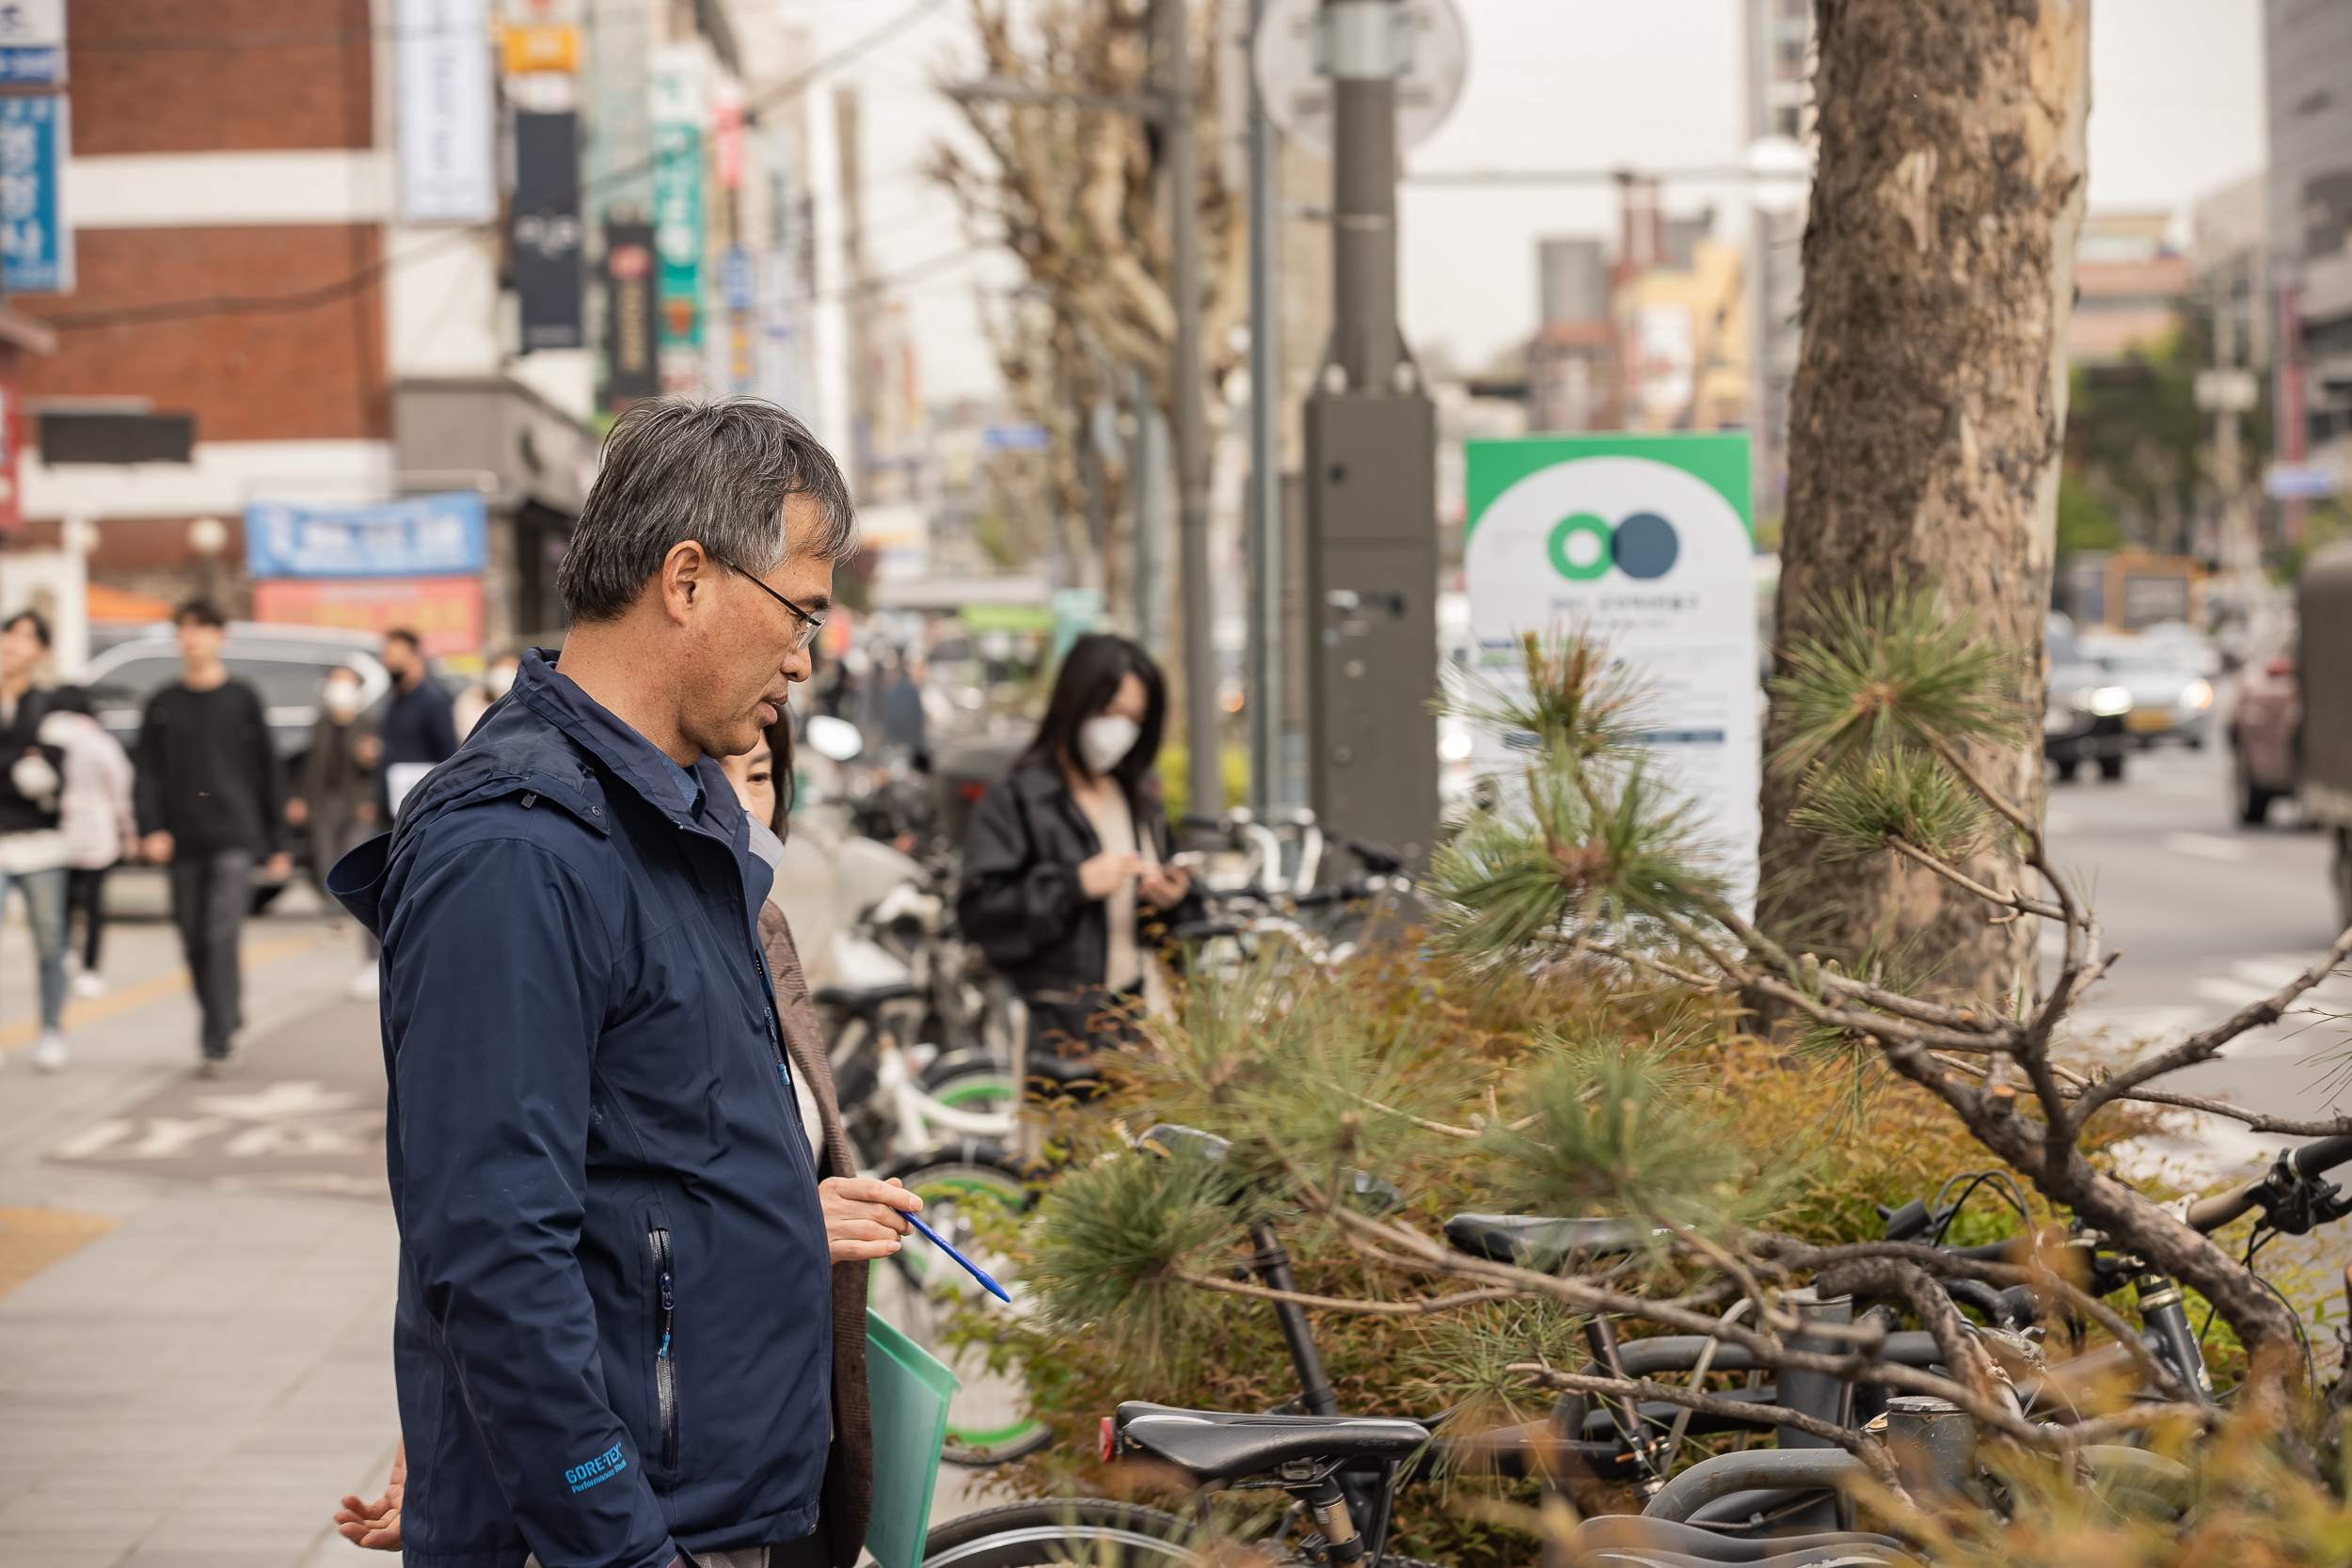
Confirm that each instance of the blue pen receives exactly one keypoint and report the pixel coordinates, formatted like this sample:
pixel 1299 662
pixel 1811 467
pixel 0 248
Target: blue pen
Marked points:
pixel 969 1267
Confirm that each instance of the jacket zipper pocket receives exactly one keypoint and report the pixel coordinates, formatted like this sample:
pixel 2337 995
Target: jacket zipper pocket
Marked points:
pixel 664 1362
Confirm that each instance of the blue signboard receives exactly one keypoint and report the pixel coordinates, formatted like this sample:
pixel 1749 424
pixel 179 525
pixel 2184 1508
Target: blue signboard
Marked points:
pixel 32 42
pixel 441 535
pixel 36 248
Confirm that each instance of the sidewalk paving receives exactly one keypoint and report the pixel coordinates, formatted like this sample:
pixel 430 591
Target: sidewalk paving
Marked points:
pixel 196 1277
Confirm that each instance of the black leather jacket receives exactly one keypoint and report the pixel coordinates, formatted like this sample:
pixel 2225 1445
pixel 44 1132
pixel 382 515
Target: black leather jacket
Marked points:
pixel 1020 899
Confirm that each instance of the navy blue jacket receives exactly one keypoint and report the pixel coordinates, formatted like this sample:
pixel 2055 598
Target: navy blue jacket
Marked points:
pixel 614 1327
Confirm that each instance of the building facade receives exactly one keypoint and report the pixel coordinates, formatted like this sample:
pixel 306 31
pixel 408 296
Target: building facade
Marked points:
pixel 328 254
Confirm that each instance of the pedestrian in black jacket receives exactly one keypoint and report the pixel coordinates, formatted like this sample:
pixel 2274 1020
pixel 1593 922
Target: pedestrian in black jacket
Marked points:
pixel 419 730
pixel 1066 862
pixel 209 804
pixel 32 849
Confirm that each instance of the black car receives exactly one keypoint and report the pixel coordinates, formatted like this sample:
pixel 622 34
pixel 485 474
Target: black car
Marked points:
pixel 2083 720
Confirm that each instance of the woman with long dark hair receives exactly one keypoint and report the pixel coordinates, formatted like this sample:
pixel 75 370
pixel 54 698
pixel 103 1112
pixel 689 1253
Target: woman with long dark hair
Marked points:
pixel 1065 864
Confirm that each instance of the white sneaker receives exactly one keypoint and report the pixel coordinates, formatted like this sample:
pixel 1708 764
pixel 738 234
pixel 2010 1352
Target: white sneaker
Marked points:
pixel 89 985
pixel 49 1051
pixel 366 984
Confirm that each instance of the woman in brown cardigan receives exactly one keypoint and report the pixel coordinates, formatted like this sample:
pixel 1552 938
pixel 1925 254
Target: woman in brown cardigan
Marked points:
pixel 861 1224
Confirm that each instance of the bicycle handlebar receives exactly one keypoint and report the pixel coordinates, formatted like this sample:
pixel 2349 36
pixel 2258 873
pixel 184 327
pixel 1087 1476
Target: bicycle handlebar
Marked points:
pixel 2315 1158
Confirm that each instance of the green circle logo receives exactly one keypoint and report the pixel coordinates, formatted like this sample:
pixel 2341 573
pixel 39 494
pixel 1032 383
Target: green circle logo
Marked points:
pixel 1580 546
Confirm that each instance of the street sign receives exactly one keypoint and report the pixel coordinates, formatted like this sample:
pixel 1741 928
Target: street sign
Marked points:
pixel 2298 481
pixel 2226 391
pixel 32 42
pixel 37 247
pixel 423 536
pixel 1286 60
pixel 1643 543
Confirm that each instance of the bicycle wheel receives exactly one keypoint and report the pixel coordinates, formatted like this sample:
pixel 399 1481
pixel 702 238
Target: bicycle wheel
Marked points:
pixel 1085 1532
pixel 987 1421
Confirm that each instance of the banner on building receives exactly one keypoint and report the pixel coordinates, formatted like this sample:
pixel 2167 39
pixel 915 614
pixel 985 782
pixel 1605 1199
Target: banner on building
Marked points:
pixel 423 536
pixel 544 47
pixel 737 294
pixel 632 363
pixel 544 241
pixel 448 165
pixel 446 612
pixel 1643 543
pixel 36 245
pixel 677 194
pixel 32 42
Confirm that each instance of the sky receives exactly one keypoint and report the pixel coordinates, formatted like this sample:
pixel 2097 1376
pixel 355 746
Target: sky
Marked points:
pixel 2176 113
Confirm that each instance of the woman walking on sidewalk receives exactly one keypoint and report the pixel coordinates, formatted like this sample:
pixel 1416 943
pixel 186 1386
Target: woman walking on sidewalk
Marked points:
pixel 32 850
pixel 94 812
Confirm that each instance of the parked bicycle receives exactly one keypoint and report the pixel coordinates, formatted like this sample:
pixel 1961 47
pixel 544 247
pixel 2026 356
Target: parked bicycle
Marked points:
pixel 1721 1509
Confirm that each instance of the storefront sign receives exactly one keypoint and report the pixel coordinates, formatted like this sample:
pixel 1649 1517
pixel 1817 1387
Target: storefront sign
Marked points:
pixel 448 173
pixel 36 246
pixel 32 42
pixel 677 195
pixel 632 369
pixel 541 48
pixel 545 239
pixel 446 612
pixel 1643 543
pixel 423 536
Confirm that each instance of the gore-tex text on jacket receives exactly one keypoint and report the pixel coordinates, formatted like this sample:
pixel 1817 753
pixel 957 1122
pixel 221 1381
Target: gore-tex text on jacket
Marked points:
pixel 614 1333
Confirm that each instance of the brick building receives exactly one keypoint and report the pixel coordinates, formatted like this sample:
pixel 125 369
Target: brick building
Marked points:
pixel 253 319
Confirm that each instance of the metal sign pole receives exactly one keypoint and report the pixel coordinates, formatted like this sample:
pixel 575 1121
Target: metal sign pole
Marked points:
pixel 1370 476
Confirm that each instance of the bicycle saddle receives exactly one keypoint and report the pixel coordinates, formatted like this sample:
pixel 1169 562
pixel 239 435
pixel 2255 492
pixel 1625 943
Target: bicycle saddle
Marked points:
pixel 864 996
pixel 1534 1242
pixel 1626 1540
pixel 1217 1445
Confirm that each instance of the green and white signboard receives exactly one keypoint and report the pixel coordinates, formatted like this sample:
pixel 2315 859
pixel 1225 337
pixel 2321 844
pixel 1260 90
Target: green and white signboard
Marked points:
pixel 1642 542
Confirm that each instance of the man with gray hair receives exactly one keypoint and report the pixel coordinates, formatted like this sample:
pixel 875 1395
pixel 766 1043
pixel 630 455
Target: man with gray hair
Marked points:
pixel 613 1340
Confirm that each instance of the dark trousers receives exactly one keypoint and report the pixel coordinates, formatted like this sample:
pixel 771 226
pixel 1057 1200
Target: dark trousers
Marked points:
pixel 210 892
pixel 85 891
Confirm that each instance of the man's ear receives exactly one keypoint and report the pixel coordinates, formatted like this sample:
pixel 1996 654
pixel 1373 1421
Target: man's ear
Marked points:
pixel 687 574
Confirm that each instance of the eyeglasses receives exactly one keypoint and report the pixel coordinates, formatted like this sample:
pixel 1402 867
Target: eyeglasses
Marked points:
pixel 810 625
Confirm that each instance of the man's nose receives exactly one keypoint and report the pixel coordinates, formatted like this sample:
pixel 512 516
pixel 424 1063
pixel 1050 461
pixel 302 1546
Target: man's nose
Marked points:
pixel 800 665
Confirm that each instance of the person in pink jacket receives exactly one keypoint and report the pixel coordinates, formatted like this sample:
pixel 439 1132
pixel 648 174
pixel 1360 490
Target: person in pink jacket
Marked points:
pixel 94 814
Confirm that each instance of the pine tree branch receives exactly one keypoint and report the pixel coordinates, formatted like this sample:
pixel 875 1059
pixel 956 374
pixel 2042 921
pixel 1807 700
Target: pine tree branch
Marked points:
pixel 2206 1043
pixel 1350 1304
pixel 1871 1453
pixel 2009 900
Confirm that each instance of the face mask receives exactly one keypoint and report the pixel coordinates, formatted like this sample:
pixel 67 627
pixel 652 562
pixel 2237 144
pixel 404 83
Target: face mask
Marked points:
pixel 1103 742
pixel 343 699
pixel 498 679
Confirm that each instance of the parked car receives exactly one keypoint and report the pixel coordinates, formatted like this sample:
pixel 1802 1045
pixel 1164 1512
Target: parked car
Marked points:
pixel 286 665
pixel 2266 731
pixel 2082 719
pixel 2168 699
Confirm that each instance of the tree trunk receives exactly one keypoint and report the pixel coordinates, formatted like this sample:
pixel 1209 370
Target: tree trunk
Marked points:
pixel 1928 412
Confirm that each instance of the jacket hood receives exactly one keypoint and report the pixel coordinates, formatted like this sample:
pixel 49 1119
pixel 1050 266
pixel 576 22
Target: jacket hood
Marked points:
pixel 529 743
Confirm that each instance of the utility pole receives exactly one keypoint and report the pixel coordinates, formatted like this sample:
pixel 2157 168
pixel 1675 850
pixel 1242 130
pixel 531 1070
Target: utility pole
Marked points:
pixel 1371 569
pixel 1205 790
pixel 1265 701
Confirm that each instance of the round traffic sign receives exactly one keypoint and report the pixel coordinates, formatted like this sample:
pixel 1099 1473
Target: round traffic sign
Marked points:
pixel 1298 97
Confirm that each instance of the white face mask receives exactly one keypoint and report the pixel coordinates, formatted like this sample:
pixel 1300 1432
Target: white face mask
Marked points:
pixel 499 679
pixel 343 699
pixel 1103 742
